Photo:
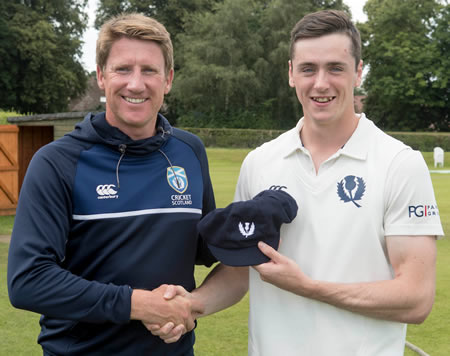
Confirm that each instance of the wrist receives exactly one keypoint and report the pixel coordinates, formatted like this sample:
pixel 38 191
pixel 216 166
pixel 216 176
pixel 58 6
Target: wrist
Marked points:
pixel 198 304
pixel 139 298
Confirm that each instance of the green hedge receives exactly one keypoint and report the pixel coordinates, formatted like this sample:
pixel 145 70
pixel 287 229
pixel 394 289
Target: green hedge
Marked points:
pixel 234 138
pixel 251 138
pixel 424 141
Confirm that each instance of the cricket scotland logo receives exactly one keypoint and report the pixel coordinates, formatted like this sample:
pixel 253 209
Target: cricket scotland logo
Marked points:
pixel 351 189
pixel 177 179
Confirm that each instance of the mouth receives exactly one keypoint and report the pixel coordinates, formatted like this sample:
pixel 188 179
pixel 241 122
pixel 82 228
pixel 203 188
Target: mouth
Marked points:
pixel 134 100
pixel 323 99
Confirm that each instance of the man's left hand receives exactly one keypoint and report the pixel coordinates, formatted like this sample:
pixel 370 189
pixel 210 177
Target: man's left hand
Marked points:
pixel 281 271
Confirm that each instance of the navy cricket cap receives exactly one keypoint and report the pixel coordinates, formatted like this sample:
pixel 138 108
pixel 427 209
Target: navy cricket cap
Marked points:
pixel 233 233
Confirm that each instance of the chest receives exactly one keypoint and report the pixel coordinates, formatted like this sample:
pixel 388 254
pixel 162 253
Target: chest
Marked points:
pixel 103 184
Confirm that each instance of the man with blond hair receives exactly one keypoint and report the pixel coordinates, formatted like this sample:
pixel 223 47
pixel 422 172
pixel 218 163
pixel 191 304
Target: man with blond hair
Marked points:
pixel 107 214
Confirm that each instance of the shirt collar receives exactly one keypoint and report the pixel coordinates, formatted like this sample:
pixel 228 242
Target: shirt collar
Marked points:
pixel 293 142
pixel 356 147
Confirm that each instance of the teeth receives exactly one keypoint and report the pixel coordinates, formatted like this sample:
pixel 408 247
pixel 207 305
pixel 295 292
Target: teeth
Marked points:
pixel 134 101
pixel 323 100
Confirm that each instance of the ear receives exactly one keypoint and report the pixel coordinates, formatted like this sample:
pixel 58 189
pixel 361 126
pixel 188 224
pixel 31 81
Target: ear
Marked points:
pixel 169 80
pixel 291 75
pixel 100 78
pixel 359 71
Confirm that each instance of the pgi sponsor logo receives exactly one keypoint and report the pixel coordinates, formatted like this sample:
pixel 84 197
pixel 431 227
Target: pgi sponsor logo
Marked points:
pixel 177 179
pixel 422 211
pixel 106 191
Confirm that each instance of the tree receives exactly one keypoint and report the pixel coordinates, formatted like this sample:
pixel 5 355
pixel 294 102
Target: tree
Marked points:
pixel 234 64
pixel 171 13
pixel 40 51
pixel 221 63
pixel 404 44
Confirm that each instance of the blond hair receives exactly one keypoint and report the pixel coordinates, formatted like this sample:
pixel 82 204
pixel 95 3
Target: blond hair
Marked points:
pixel 134 26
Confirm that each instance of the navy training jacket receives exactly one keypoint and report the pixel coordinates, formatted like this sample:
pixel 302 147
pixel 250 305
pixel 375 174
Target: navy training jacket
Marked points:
pixel 98 215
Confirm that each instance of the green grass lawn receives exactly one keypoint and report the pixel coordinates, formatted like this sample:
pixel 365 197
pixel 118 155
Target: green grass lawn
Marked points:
pixel 225 333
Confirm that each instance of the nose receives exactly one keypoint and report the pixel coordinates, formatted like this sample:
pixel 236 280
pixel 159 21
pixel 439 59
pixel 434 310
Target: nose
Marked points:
pixel 136 82
pixel 321 82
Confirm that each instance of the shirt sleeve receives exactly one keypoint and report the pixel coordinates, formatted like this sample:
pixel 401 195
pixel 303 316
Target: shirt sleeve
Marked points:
pixel 410 204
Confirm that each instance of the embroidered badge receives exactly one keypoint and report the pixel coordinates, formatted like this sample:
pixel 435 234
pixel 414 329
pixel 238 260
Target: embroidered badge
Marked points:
pixel 248 230
pixel 177 179
pixel 352 189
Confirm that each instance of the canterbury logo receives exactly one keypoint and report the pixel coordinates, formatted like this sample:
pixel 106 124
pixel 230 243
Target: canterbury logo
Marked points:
pixel 248 230
pixel 277 187
pixel 106 189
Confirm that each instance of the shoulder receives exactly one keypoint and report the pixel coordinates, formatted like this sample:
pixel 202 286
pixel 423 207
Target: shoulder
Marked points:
pixel 382 148
pixel 193 142
pixel 65 147
pixel 189 139
pixel 56 161
pixel 274 149
pixel 381 140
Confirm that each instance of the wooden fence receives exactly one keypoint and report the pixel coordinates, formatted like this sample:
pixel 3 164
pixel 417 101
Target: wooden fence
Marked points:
pixel 9 169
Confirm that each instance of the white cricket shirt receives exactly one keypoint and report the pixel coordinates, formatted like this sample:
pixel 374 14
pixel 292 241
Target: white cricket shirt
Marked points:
pixel 373 187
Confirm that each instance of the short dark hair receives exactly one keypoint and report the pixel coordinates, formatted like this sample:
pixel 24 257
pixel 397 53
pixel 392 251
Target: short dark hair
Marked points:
pixel 323 23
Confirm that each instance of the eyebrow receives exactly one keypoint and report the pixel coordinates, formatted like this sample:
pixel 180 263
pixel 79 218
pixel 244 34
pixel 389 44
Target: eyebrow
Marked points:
pixel 312 64
pixel 342 64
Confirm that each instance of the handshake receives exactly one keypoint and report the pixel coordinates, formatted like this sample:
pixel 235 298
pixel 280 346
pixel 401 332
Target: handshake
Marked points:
pixel 168 311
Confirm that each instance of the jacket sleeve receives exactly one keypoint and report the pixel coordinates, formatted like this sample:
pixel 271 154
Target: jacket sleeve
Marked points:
pixel 37 280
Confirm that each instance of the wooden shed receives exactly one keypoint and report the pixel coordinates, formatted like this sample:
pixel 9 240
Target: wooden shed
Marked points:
pixel 18 144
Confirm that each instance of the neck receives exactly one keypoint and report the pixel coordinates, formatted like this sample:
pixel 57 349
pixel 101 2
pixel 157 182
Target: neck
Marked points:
pixel 135 132
pixel 322 141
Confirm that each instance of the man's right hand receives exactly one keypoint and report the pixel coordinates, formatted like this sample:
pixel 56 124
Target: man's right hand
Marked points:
pixel 153 308
pixel 171 332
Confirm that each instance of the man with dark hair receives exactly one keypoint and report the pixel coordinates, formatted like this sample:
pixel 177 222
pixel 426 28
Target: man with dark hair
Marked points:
pixel 108 214
pixel 358 261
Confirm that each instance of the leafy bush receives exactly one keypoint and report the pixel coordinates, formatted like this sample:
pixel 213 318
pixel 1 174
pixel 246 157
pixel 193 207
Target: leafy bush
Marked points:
pixel 424 142
pixel 4 115
pixel 251 138
pixel 234 138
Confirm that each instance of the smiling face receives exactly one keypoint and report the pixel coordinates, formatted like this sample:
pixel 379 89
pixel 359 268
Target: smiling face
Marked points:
pixel 135 83
pixel 322 71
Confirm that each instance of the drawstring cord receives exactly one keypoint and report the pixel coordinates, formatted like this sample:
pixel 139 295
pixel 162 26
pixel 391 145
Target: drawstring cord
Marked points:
pixel 122 149
pixel 171 167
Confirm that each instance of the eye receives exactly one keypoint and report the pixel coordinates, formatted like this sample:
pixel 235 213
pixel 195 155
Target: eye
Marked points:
pixel 148 71
pixel 336 69
pixel 122 70
pixel 307 70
